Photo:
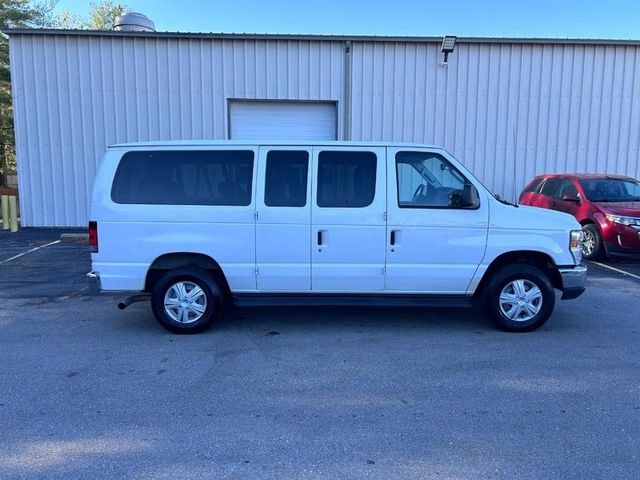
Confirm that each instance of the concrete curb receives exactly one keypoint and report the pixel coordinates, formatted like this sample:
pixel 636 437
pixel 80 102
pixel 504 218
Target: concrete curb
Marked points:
pixel 74 238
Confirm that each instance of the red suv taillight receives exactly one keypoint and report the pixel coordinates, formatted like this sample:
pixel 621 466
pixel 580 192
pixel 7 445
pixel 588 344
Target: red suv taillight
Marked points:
pixel 93 235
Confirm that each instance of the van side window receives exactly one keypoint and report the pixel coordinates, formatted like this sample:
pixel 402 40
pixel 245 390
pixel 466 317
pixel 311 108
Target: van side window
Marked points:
pixel 286 178
pixel 194 177
pixel 427 180
pixel 346 179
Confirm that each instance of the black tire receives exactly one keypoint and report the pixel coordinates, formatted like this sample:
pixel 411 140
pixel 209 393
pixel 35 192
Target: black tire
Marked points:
pixel 591 233
pixel 503 278
pixel 212 303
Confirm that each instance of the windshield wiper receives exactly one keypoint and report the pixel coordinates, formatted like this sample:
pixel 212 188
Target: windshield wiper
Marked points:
pixel 506 202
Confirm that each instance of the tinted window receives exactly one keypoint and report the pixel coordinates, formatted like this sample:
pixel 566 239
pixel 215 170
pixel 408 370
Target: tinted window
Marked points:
pixel 427 180
pixel 346 179
pixel 540 186
pixel 184 178
pixel 286 179
pixel 611 190
pixel 551 187
pixel 568 188
pixel 533 186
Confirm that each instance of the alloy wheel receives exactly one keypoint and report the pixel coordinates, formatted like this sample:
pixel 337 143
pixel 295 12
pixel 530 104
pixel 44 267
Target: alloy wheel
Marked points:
pixel 588 242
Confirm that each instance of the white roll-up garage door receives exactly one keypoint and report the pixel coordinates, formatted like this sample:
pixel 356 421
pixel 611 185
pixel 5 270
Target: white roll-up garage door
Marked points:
pixel 282 120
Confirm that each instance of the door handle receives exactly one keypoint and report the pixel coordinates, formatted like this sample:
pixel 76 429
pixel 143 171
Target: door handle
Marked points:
pixel 393 237
pixel 320 240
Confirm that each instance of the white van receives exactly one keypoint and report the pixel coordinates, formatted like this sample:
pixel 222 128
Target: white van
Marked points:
pixel 193 225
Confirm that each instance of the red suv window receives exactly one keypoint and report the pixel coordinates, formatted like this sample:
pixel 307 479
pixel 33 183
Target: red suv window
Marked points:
pixel 551 187
pixel 534 185
pixel 568 188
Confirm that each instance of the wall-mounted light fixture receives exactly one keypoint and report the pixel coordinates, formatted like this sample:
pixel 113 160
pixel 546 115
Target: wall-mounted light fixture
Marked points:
pixel 448 44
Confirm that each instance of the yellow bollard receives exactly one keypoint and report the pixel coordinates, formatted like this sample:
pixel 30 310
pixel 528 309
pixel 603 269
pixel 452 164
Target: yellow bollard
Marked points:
pixel 4 199
pixel 13 213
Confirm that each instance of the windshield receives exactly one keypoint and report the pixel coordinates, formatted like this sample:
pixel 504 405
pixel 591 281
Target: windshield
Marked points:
pixel 611 190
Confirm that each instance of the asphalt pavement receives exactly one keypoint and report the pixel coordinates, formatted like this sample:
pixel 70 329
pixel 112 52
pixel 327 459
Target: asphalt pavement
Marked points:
pixel 88 391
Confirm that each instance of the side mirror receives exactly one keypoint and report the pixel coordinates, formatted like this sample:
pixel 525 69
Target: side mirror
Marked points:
pixel 571 198
pixel 470 196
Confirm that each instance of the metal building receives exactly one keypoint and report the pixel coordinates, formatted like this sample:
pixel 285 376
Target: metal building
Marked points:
pixel 508 108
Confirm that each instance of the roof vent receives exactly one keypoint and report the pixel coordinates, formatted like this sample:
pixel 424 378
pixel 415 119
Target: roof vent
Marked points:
pixel 133 22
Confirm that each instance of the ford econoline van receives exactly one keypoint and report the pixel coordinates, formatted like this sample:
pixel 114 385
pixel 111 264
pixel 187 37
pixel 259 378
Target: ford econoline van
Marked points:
pixel 192 225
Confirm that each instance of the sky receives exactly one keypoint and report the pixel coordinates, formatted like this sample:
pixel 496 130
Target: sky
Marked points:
pixel 614 19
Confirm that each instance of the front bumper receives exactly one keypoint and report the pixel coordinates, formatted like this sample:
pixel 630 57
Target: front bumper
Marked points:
pixel 93 278
pixel 574 281
pixel 622 240
pixel 615 250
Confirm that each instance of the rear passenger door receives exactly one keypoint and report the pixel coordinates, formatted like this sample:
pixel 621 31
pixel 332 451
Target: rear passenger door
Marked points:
pixel 548 194
pixel 348 219
pixel 283 220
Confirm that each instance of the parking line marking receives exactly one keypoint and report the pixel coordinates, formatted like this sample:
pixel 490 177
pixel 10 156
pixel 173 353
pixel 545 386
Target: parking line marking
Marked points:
pixel 617 270
pixel 28 251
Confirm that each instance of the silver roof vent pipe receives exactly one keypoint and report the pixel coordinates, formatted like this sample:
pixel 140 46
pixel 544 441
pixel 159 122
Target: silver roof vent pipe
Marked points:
pixel 133 22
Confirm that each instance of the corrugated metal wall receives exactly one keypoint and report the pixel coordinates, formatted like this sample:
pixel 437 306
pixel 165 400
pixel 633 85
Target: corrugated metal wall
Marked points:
pixel 507 110
pixel 74 95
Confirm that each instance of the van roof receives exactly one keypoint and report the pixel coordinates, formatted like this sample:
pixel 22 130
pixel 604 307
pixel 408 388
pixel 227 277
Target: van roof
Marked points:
pixel 212 143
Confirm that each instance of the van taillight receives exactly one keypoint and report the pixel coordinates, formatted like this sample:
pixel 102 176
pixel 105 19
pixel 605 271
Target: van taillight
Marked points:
pixel 93 235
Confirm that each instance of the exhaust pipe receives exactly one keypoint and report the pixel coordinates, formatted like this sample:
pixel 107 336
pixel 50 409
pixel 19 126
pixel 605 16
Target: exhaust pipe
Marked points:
pixel 140 297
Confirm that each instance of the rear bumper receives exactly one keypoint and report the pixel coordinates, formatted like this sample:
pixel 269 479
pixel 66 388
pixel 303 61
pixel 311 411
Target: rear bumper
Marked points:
pixel 574 281
pixel 93 278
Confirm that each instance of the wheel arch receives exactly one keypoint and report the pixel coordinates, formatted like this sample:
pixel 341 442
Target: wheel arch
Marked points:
pixel 595 223
pixel 588 221
pixel 171 261
pixel 534 258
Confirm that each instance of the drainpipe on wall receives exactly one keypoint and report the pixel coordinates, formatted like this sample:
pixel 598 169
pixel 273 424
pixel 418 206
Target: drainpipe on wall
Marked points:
pixel 346 94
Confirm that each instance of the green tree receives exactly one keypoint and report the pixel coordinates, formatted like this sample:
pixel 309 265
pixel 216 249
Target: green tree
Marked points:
pixel 69 21
pixel 103 14
pixel 101 17
pixel 15 14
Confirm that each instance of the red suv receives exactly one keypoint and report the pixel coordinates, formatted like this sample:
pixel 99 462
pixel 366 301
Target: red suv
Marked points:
pixel 607 207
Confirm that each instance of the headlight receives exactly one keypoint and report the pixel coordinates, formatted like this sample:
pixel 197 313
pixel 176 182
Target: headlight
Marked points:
pixel 575 245
pixel 623 220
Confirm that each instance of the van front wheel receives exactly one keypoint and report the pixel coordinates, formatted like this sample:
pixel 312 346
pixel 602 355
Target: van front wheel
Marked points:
pixel 186 300
pixel 519 298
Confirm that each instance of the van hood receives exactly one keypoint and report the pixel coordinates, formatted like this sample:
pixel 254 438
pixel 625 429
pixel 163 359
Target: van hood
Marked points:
pixel 532 218
pixel 626 209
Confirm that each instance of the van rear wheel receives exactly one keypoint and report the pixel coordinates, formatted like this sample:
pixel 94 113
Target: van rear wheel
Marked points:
pixel 186 300
pixel 519 298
